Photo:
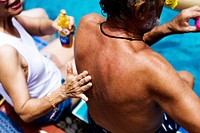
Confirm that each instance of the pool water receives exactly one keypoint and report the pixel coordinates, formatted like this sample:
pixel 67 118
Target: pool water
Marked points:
pixel 181 50
pixel 76 8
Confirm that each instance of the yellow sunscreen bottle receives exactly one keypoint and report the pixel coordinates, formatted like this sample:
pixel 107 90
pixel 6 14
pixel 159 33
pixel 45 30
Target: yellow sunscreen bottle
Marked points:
pixel 63 22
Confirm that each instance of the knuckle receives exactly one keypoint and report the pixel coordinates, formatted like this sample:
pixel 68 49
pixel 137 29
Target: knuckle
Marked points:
pixel 83 81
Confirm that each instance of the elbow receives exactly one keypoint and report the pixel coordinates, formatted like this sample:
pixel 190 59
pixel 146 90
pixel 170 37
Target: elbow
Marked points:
pixel 26 119
pixel 187 77
pixel 25 116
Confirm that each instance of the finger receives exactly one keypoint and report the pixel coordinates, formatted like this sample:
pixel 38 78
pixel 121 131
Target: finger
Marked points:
pixel 86 87
pixel 83 96
pixel 85 80
pixel 194 15
pixel 55 24
pixel 66 31
pixel 193 12
pixel 82 75
pixel 72 30
pixel 195 8
pixel 80 87
pixel 85 73
pixel 56 27
pixel 71 22
pixel 69 69
pixel 192 28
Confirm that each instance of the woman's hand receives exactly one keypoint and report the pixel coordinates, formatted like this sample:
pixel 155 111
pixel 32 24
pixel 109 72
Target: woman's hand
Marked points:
pixel 71 28
pixel 180 24
pixel 76 85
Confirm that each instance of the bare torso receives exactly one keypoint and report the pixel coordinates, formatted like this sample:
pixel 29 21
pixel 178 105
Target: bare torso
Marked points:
pixel 119 100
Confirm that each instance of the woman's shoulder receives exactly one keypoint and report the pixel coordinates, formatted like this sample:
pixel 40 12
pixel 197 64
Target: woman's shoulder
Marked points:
pixel 8 51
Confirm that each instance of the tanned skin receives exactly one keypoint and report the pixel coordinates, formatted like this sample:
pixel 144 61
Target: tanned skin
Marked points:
pixel 132 84
pixel 14 68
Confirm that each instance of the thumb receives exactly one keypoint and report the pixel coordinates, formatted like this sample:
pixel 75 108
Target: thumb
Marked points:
pixel 192 28
pixel 69 68
pixel 83 96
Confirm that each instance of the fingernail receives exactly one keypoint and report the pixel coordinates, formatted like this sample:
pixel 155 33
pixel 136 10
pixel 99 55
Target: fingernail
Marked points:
pixel 89 77
pixel 90 84
pixel 85 71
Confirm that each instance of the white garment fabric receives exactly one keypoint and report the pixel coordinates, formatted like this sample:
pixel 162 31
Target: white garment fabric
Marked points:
pixel 43 75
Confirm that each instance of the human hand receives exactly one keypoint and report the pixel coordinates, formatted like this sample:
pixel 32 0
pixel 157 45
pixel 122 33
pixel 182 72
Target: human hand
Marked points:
pixel 71 28
pixel 76 85
pixel 180 24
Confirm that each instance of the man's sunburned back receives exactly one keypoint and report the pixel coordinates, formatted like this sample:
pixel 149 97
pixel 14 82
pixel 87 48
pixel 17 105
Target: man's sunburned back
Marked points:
pixel 119 100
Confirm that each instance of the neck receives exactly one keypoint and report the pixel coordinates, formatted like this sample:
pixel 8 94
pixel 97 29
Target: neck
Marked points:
pixel 5 20
pixel 119 31
pixel 6 26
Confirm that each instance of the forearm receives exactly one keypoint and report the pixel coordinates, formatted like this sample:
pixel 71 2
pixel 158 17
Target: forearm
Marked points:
pixel 30 109
pixel 157 33
pixel 36 26
pixel 46 27
pixel 189 117
pixel 36 108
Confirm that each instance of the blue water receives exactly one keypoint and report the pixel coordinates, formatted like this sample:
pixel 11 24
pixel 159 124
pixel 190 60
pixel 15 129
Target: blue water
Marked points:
pixel 76 8
pixel 181 50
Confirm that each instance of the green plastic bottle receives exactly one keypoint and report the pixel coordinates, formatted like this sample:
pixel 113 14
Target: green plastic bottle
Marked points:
pixel 63 21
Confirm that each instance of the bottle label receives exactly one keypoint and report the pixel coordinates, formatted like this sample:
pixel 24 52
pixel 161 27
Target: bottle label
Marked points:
pixel 65 40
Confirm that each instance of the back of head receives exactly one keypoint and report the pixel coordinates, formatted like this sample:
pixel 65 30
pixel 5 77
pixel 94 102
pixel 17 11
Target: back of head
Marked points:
pixel 137 11
pixel 123 9
pixel 116 9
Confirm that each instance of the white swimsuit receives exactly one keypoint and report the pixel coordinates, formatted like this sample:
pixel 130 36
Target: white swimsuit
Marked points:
pixel 43 75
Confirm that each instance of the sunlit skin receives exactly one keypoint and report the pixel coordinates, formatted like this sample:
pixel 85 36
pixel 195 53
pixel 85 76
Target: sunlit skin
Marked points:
pixel 133 85
pixel 11 7
pixel 14 68
pixel 183 4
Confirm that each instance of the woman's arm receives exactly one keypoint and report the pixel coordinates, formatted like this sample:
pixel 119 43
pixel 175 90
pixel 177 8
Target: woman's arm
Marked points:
pixel 37 26
pixel 42 26
pixel 13 79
